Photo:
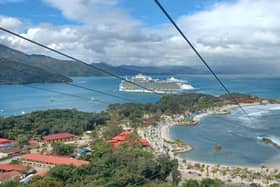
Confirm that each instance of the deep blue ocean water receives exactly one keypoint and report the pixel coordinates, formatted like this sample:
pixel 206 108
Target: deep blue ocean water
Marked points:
pixel 237 135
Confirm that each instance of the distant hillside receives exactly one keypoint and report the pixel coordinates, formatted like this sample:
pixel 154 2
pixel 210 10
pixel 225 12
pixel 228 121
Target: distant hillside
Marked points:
pixel 64 67
pixel 158 70
pixel 18 73
pixel 72 68
pixel 18 67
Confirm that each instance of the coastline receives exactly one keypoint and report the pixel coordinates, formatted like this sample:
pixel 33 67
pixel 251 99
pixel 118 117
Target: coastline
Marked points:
pixel 197 169
pixel 222 110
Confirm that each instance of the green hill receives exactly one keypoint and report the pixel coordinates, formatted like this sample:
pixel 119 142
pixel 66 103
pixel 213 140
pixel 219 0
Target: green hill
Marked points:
pixel 18 73
pixel 18 68
pixel 64 67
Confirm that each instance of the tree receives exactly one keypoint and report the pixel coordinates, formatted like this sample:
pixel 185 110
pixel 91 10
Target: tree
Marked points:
pixel 211 183
pixel 63 149
pixel 111 130
pixel 254 185
pixel 176 176
pixel 22 139
pixel 191 183
pixel 12 184
pixel 47 182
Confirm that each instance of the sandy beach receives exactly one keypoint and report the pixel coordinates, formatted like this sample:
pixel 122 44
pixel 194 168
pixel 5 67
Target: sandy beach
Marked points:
pixel 161 141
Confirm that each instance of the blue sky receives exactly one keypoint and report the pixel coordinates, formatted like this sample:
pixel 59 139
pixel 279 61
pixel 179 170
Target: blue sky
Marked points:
pixel 33 11
pixel 147 10
pixel 226 32
pixel 38 11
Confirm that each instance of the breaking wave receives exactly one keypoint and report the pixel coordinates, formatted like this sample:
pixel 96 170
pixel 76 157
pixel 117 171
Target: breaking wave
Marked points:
pixel 274 140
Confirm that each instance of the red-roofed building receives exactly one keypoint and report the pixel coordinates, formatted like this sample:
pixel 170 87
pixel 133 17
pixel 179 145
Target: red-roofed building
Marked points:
pixel 59 137
pixel 4 141
pixel 11 152
pixel 11 167
pixel 148 122
pixel 246 101
pixel 51 161
pixel 9 176
pixel 122 138
pixel 143 142
pixel 119 138
pixel 126 133
pixel 33 143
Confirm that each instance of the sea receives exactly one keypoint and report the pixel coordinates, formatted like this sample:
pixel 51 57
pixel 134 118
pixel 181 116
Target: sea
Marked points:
pixel 238 136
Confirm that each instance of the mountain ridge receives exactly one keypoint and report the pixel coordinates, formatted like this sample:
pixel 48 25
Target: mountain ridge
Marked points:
pixel 18 73
pixel 15 62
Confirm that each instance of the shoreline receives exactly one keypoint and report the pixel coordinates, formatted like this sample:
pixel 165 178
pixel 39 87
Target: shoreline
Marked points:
pixel 199 169
pixel 226 109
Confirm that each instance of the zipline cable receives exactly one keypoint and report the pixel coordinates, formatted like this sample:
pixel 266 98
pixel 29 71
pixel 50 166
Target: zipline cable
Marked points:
pixel 92 66
pixel 199 56
pixel 88 89
pixel 63 93
pixel 100 92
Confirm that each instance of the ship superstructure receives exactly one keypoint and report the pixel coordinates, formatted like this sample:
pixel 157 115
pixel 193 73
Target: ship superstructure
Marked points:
pixel 171 85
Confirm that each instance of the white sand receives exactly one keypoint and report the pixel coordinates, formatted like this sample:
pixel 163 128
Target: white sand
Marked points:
pixel 164 131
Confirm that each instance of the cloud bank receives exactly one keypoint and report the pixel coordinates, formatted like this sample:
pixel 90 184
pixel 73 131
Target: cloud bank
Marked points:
pixel 246 32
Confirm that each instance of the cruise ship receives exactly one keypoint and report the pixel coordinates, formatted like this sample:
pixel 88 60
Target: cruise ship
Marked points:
pixel 170 85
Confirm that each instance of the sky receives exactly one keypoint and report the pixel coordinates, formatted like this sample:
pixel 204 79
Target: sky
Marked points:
pixel 237 34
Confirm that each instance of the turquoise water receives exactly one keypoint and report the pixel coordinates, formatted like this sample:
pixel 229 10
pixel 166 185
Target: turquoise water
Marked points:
pixel 17 99
pixel 234 132
pixel 237 135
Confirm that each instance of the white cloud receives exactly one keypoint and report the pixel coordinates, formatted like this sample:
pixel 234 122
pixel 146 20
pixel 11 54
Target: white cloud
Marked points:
pixel 94 12
pixel 10 23
pixel 248 27
pixel 245 32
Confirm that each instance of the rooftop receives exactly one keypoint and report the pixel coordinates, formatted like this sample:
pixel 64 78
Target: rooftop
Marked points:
pixel 56 160
pixel 33 142
pixel 119 138
pixel 126 133
pixel 4 141
pixel 11 151
pixel 11 167
pixel 58 136
pixel 7 175
pixel 144 142
pixel 148 122
pixel 122 139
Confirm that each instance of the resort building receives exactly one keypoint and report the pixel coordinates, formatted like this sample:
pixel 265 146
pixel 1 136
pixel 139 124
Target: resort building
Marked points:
pixel 33 144
pixel 50 161
pixel 246 101
pixel 59 137
pixel 143 142
pixel 10 152
pixel 12 167
pixel 148 122
pixel 82 151
pixel 9 176
pixel 4 141
pixel 7 144
pixel 123 138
